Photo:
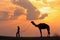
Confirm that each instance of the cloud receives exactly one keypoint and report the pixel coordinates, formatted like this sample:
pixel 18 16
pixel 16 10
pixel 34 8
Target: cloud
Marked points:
pixel 17 13
pixel 32 13
pixel 43 16
pixel 10 12
pixel 3 15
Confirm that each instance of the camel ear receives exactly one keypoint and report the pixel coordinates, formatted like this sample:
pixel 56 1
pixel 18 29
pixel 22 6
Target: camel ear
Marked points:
pixel 31 21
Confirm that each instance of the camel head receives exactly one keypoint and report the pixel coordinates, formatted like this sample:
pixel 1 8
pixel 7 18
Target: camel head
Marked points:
pixel 33 23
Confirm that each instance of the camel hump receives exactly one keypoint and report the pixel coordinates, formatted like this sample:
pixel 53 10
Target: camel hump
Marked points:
pixel 43 24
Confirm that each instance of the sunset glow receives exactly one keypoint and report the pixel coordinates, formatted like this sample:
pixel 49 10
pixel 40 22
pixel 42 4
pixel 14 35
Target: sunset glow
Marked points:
pixel 45 9
pixel 22 12
pixel 50 0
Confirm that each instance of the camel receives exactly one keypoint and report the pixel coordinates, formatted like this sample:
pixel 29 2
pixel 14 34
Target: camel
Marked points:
pixel 42 26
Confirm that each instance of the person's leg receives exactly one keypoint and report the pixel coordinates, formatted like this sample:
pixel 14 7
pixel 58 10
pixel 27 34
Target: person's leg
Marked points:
pixel 16 34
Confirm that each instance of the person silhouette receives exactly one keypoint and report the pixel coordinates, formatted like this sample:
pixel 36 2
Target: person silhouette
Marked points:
pixel 18 32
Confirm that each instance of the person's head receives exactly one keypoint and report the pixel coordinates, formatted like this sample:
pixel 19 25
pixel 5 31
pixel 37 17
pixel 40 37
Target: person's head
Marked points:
pixel 17 26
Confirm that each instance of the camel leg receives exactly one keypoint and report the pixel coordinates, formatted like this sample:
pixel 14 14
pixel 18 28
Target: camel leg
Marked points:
pixel 48 30
pixel 41 32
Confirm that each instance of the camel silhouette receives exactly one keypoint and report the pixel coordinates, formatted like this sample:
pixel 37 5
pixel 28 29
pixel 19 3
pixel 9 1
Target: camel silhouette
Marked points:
pixel 42 26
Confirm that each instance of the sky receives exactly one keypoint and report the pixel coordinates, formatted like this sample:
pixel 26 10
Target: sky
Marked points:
pixel 22 12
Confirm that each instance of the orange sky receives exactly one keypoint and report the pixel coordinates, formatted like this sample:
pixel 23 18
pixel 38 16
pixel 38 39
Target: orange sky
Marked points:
pixel 12 14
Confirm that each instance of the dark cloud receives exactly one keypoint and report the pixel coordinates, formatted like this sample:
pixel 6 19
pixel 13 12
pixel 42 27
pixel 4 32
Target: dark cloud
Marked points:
pixel 3 15
pixel 43 16
pixel 17 13
pixel 32 13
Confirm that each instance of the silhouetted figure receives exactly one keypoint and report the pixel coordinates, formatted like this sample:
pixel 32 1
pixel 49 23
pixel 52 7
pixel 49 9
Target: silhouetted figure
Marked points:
pixel 18 30
pixel 42 26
